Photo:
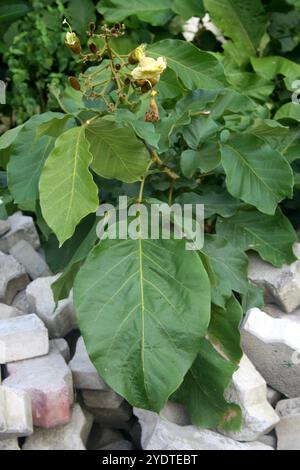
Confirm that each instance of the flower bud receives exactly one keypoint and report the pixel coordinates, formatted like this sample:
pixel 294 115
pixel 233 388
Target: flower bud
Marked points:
pixel 72 41
pixel 74 83
pixel 137 54
pixel 93 48
pixel 152 114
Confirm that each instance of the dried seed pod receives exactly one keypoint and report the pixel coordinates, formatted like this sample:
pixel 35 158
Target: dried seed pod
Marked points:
pixel 117 67
pixel 74 83
pixel 92 27
pixel 127 81
pixel 146 87
pixel 93 48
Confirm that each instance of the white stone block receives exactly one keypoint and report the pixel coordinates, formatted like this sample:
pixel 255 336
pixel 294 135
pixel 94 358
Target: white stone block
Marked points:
pixel 32 261
pixel 4 227
pixel 22 337
pixel 85 375
pixel 249 390
pixel 21 228
pixel 15 413
pixel 60 319
pixel 288 429
pixel 9 444
pixel 48 382
pixel 101 398
pixel 281 285
pixel 158 434
pixel 72 436
pixel 62 347
pixel 272 344
pixel 13 278
pixel 7 311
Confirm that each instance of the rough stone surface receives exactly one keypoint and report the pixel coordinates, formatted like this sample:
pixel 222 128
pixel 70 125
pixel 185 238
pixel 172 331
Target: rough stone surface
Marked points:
pixel 175 413
pixel 72 436
pixel 15 413
pixel 61 346
pixel 273 396
pixel 158 434
pixel 9 444
pixel 59 320
pixel 7 311
pixel 118 418
pixel 20 302
pixel 4 227
pixel 269 440
pixel 21 228
pixel 271 344
pixel 249 390
pixel 13 278
pixel 32 261
pixel 119 445
pixel 21 338
pixel 101 398
pixel 281 285
pixel 85 375
pixel 100 437
pixel 48 381
pixel 288 429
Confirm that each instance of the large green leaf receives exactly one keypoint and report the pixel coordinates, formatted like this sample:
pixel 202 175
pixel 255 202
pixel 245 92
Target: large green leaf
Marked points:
pixel 206 159
pixel 244 21
pixel 117 152
pixel 270 67
pixel 288 112
pixel 271 236
pixel 6 141
pixel 224 330
pixel 202 391
pixel 228 268
pixel 13 10
pixel 155 12
pixel 67 190
pixel 195 68
pixel 188 8
pixel 256 173
pixel 216 200
pixel 28 155
pixel 142 306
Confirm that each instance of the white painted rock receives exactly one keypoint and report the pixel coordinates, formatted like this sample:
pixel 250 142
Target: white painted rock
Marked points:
pixel 9 444
pixel 158 434
pixel 288 429
pixel 271 344
pixel 62 347
pixel 281 285
pixel 32 261
pixel 273 396
pixel 72 436
pixel 48 381
pixel 249 390
pixel 59 320
pixel 15 413
pixel 85 375
pixel 7 311
pixel 13 278
pixel 4 227
pixel 22 337
pixel 21 228
pixel 101 398
pixel 20 302
pixel 269 440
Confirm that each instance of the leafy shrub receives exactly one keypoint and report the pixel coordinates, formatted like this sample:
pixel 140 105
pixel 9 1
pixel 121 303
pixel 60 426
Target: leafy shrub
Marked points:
pixel 159 321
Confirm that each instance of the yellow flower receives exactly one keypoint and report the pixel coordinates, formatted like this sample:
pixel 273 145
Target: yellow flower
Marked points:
pixel 149 69
pixel 137 54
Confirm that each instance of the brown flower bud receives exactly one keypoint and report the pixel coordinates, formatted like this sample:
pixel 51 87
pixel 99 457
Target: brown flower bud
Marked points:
pixel 92 27
pixel 93 48
pixel 152 114
pixel 74 83
pixel 117 67
pixel 146 87
pixel 72 41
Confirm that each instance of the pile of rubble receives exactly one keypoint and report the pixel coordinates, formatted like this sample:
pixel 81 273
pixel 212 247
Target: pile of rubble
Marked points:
pixel 52 398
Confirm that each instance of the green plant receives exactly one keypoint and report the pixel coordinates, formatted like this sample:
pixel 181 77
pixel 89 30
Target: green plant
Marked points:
pixel 159 321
